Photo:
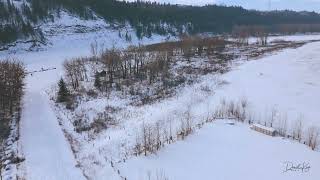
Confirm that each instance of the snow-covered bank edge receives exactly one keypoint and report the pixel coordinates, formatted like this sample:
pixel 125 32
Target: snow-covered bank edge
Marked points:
pixel 12 157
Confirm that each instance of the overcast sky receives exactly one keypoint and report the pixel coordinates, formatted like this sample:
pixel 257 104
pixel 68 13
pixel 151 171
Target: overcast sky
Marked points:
pixel 298 5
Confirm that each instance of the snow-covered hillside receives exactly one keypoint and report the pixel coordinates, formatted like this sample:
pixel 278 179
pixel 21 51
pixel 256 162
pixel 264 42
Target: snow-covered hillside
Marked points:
pixel 297 5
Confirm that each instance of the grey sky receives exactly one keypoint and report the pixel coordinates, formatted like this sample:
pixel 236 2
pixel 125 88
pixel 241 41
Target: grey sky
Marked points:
pixel 298 5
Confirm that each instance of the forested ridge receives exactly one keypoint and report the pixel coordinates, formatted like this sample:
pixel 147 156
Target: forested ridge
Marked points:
pixel 19 21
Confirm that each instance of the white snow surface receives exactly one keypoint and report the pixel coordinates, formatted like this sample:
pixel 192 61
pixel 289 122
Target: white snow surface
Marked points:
pixel 228 152
pixel 47 152
pixel 287 82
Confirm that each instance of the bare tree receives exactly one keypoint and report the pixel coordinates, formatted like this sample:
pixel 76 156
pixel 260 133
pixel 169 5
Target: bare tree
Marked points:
pixel 262 34
pixel 187 46
pixel 313 137
pixel 273 116
pixel 158 136
pixel 75 71
pixel 242 34
pixel 145 138
pixel 12 73
pixel 94 49
pixel 298 129
pixel 283 125
pixel 112 61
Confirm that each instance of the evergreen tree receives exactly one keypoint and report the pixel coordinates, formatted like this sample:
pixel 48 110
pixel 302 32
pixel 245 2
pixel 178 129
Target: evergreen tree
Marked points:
pixel 63 93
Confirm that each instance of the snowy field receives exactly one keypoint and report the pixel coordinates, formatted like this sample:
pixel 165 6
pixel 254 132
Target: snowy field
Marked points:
pixel 223 151
pixel 287 81
pixel 269 84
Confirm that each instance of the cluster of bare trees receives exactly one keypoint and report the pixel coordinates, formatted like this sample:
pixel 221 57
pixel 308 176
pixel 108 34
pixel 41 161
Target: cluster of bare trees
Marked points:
pixel 153 137
pixel 296 28
pixel 150 141
pixel 186 126
pixel 12 75
pixel 76 71
pixel 313 137
pixel 153 61
pixel 118 65
pixel 309 136
pixel 134 63
pixel 191 46
pixel 101 122
pixel 296 131
pixel 121 67
pixel 232 110
pixel 159 175
pixel 242 33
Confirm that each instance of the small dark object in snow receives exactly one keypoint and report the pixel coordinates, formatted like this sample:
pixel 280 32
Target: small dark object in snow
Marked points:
pixel 230 123
pixel 264 129
pixel 17 160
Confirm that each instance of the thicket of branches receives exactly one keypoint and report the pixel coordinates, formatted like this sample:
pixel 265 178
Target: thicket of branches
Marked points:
pixel 243 32
pixel 296 130
pixel 119 68
pixel 12 75
pixel 152 137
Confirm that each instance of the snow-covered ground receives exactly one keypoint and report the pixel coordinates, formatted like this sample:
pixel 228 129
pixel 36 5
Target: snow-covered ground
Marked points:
pixel 223 151
pixel 270 84
pixel 288 80
pixel 47 152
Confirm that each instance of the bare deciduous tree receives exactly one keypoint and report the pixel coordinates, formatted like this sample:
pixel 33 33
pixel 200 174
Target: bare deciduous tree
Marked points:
pixel 298 129
pixel 76 71
pixel 313 137
pixel 12 75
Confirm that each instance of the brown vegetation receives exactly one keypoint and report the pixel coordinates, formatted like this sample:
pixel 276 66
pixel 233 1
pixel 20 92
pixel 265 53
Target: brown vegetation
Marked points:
pixel 12 74
pixel 139 69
